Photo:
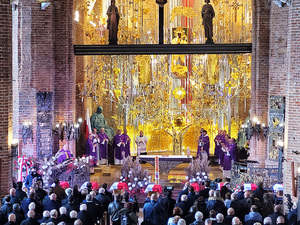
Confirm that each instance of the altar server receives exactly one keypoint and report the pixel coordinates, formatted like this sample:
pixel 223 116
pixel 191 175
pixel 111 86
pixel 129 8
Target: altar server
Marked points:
pixel 90 148
pixel 103 146
pixel 96 143
pixel 217 144
pixel 141 142
pixel 203 143
pixel 229 156
pixel 119 143
pixel 127 143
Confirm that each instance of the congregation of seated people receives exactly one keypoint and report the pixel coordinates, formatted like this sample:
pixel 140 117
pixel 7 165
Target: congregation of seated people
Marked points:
pixel 89 207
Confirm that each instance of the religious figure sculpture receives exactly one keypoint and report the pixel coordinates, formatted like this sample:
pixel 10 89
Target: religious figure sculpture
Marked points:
pixel 98 121
pixel 208 14
pixel 113 23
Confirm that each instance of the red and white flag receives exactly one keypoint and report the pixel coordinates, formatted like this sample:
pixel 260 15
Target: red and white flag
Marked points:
pixel 88 128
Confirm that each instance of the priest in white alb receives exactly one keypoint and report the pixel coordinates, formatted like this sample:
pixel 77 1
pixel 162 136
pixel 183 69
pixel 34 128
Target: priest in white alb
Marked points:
pixel 141 142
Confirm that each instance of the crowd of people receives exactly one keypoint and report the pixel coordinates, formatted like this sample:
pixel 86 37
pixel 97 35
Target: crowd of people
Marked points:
pixel 89 207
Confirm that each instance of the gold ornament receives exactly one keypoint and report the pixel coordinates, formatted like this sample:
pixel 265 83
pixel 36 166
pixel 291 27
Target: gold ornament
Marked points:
pixel 178 121
pixel 179 93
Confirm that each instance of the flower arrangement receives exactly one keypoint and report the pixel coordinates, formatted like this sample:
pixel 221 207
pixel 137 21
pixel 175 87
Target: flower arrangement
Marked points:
pixel 197 170
pixel 23 165
pixel 133 174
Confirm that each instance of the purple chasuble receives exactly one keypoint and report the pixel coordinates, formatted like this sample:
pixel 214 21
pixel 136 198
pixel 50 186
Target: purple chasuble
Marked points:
pixel 102 145
pixel 217 145
pixel 90 150
pixel 119 148
pixel 63 155
pixel 228 157
pixel 127 144
pixel 203 145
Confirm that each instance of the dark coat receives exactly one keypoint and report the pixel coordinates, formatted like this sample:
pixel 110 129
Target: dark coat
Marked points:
pixel 30 221
pixel 13 200
pixel 240 195
pixel 192 197
pixel 292 217
pixel 109 195
pixel 19 216
pixel 153 212
pixel 51 204
pixel 274 216
pixel 20 194
pixel 259 192
pixel 43 220
pixel 53 220
pixel 204 193
pixel 11 223
pixel 227 220
pixel 103 201
pixel 6 209
pixel 25 204
pixel 59 191
pixel 190 218
pixel 85 218
pixel 94 210
pixel 71 206
pixel 63 218
pixel 184 207
pixel 217 204
pixel 183 192
pixel 168 204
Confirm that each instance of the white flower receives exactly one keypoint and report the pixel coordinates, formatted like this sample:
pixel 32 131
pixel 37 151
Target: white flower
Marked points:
pixel 146 183
pixel 198 174
pixel 128 176
pixel 194 180
pixel 130 188
pixel 205 177
pixel 135 179
pixel 141 185
pixel 130 172
pixel 186 177
pixel 129 184
pixel 133 185
pixel 203 173
pixel 145 179
pixel 124 179
pixel 121 177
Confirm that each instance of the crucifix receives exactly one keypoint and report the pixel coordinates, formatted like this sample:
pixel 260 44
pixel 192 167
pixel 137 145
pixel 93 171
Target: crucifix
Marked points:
pixel 235 5
pixel 229 85
pixel 161 4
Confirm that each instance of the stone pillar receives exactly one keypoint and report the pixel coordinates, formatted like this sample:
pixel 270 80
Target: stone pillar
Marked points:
pixel 5 97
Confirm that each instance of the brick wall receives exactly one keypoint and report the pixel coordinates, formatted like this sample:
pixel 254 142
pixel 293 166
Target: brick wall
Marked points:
pixel 5 95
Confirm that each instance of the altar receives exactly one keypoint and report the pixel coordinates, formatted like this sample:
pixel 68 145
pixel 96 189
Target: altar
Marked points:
pixel 166 162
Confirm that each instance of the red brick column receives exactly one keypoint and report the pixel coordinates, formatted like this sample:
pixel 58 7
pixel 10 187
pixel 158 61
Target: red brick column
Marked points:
pixel 5 96
pixel 260 74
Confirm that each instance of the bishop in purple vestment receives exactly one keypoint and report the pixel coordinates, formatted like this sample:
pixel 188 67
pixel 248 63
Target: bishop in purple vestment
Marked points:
pixel 90 148
pixel 229 155
pixel 103 146
pixel 63 154
pixel 203 143
pixel 119 143
pixel 217 144
pixel 127 143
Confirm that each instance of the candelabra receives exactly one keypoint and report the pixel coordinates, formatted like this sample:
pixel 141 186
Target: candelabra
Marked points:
pixel 68 131
pixel 254 127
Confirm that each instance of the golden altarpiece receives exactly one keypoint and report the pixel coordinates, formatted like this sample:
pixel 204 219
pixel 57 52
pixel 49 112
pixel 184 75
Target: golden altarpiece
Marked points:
pixel 169 97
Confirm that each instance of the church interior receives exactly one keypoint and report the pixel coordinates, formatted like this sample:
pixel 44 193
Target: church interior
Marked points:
pixel 161 75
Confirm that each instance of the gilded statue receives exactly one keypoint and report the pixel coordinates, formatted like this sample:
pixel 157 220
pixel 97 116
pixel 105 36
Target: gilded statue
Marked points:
pixel 98 121
pixel 113 23
pixel 208 14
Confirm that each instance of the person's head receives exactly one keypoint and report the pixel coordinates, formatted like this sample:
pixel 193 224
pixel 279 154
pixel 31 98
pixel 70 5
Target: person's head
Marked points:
pixel 101 190
pixel 260 184
pixel 61 223
pixel 153 197
pixel 16 207
pixel 204 132
pixel 7 198
pixel 62 210
pixel 56 181
pixel 71 199
pixel 193 209
pixel 181 222
pixel 53 213
pixel 230 211
pixel 12 218
pixel 212 213
pixel 198 216
pixel 46 214
pixel 280 219
pixel 73 214
pixel 201 130
pixel 117 197
pixel 267 221
pixel 31 214
pixel 53 197
pixel 69 191
pixel 119 132
pixel 219 217
pixel 183 198
pixel 207 1
pixel 83 207
pixel 125 131
pixel 89 185
pixel 242 187
pixel 31 195
pixel 84 192
pixel 254 208
pixel 31 206
pixel 277 208
pixel 12 191
pixel 247 194
pixel 208 221
pixel 91 136
pixel 217 194
pixel 93 194
pixel 191 189
pixel 104 186
pixel 89 198
pixel 207 183
pixel 102 130
pixel 50 223
pixel 94 131
pixel 75 187
pixel 235 221
pixel 211 193
pixel 177 211
pixel 78 222
pixel 141 133
pixel 228 195
pixel 168 193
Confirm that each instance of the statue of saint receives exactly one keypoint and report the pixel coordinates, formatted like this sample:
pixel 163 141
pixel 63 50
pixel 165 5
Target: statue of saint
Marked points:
pixel 208 14
pixel 113 23
pixel 98 121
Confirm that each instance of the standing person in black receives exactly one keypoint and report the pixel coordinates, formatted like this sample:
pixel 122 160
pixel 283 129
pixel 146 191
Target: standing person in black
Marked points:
pixel 185 191
pixel 107 193
pixel 84 216
pixel 259 191
pixel 204 192
pixel 5 210
pixel 113 209
pixel 277 213
pixel 19 193
pixel 168 203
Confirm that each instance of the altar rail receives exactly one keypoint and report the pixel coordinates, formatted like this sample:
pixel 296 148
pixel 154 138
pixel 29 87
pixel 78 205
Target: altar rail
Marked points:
pixel 250 172
pixel 76 176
